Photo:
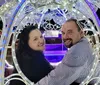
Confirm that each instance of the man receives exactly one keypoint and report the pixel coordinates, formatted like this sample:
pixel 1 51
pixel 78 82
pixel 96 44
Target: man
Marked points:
pixel 77 62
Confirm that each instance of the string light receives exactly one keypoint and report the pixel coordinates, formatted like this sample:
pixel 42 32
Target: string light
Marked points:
pixel 6 7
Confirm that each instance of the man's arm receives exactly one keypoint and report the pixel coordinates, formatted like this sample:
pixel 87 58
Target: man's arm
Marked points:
pixel 66 72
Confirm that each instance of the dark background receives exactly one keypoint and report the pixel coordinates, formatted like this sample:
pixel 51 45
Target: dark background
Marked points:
pixel 98 13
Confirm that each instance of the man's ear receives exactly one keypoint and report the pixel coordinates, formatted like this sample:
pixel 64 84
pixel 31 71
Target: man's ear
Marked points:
pixel 82 33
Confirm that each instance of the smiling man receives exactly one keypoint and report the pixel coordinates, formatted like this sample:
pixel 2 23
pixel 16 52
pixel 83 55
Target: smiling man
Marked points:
pixel 77 62
pixel 71 33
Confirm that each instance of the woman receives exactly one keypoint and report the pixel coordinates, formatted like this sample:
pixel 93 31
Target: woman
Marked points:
pixel 30 55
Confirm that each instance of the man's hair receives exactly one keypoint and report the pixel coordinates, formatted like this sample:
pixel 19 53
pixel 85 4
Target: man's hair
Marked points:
pixel 79 25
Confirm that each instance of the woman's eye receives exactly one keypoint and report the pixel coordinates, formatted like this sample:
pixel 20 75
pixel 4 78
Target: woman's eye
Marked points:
pixel 35 39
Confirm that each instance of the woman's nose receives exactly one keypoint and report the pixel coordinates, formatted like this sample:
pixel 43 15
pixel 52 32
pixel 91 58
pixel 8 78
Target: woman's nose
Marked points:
pixel 41 40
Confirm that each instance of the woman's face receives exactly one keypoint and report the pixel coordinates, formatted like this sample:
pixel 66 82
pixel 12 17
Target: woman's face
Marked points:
pixel 36 40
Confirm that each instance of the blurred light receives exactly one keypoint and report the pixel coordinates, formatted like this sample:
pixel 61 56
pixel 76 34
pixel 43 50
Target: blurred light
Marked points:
pixel 94 12
pixel 19 0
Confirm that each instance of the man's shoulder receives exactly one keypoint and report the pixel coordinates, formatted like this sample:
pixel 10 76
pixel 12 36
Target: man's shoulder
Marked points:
pixel 77 54
pixel 80 47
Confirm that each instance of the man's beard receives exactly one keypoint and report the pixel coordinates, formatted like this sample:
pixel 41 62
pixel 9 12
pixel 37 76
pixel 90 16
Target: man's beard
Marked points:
pixel 70 45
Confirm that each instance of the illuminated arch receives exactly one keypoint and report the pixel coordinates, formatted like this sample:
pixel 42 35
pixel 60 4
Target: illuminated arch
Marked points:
pixel 63 4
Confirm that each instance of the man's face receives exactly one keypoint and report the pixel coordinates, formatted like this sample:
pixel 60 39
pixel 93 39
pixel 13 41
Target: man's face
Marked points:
pixel 70 33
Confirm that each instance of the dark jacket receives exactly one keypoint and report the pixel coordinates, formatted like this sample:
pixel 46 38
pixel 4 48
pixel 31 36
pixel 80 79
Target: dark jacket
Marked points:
pixel 33 64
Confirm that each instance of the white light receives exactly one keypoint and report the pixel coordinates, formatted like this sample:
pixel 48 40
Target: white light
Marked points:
pixel 82 82
pixel 88 21
pixel 94 63
pixel 51 33
pixel 97 48
pixel 74 5
pixel 25 78
pixel 83 17
pixel 7 5
pixel 95 34
pixel 32 13
pixel 13 50
pixel 74 10
pixel 13 42
pixel 78 12
pixel 88 77
pixel 19 72
pixel 95 84
pixel 16 65
pixel 26 17
pixel 64 4
pixel 19 0
pixel 14 57
pixel 92 70
pixel 92 28
pixel 55 64
pixel 58 6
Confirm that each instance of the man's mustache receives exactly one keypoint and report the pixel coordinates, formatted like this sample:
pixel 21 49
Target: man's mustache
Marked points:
pixel 67 39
